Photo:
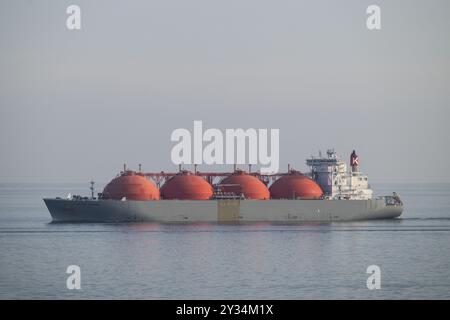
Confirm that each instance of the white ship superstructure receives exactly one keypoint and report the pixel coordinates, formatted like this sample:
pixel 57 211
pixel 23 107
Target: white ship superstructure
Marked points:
pixel 331 174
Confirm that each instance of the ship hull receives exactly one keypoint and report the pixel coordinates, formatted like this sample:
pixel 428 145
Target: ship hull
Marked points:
pixel 221 211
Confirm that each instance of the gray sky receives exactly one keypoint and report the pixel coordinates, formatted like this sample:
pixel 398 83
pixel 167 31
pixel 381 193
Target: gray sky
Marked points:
pixel 75 105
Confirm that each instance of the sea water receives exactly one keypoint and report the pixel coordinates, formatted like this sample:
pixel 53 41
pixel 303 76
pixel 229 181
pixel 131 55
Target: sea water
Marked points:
pixel 206 261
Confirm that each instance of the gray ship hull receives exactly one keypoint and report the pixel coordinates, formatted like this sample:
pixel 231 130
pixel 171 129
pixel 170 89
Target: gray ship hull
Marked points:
pixel 221 211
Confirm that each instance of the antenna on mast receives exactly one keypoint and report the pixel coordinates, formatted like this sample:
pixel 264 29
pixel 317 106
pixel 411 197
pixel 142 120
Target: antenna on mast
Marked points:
pixel 92 189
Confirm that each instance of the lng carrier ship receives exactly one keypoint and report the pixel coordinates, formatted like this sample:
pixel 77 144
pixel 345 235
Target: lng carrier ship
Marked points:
pixel 329 192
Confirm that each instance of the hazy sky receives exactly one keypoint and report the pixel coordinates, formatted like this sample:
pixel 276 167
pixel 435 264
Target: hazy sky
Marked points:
pixel 76 105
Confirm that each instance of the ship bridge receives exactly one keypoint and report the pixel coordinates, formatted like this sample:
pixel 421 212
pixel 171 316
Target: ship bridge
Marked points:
pixel 331 174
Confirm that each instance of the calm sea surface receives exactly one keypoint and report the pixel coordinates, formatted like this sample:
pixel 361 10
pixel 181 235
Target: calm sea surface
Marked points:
pixel 152 261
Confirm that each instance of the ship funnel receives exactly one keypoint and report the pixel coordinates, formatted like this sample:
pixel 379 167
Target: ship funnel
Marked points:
pixel 354 162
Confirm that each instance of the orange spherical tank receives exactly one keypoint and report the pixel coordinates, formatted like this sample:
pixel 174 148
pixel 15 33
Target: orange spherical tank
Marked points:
pixel 295 185
pixel 186 186
pixel 132 186
pixel 242 183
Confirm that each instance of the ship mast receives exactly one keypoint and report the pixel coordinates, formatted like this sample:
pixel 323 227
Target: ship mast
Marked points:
pixel 92 189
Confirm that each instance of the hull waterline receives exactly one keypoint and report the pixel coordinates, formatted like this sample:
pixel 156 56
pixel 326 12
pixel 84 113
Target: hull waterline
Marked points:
pixel 221 211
